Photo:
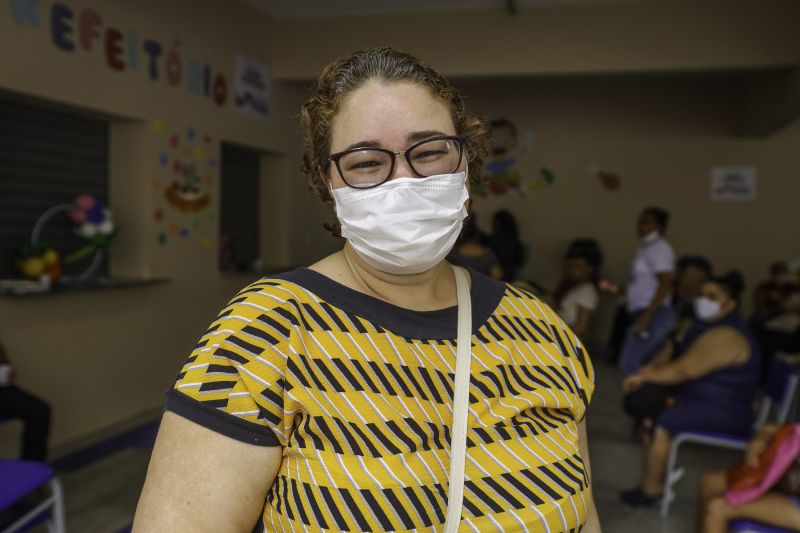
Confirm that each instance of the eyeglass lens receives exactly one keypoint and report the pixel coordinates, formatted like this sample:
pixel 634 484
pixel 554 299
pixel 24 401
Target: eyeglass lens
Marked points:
pixel 368 167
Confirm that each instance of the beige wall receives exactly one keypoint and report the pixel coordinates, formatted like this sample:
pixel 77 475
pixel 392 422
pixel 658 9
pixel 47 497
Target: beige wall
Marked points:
pixel 617 37
pixel 105 356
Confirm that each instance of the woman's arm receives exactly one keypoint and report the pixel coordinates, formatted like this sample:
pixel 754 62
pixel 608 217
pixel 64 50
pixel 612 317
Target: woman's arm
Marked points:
pixel 593 520
pixel 717 349
pixel 581 325
pixel 199 480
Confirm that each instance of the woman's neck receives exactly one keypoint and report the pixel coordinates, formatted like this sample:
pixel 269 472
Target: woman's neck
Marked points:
pixel 427 291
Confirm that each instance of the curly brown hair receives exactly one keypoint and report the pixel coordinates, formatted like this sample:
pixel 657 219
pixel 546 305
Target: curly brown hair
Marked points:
pixel 387 65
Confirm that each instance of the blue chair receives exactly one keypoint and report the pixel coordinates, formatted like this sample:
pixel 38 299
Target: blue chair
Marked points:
pixel 779 392
pixel 746 526
pixel 20 478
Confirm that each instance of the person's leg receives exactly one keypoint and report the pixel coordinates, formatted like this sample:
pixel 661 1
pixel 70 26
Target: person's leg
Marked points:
pixel 640 348
pixel 713 484
pixel 631 348
pixel 35 415
pixel 773 508
pixel 656 463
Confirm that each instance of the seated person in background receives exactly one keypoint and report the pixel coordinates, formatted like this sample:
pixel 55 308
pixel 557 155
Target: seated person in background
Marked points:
pixel 770 294
pixel 505 243
pixel 773 508
pixel 34 413
pixel 576 297
pixel 781 332
pixel 470 251
pixel 714 372
pixel 646 403
pixel 690 273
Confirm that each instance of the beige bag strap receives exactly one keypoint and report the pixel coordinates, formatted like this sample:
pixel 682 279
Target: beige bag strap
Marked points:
pixel 458 433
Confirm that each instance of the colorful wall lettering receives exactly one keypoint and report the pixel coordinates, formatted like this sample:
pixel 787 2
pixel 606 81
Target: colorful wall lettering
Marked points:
pixel 74 31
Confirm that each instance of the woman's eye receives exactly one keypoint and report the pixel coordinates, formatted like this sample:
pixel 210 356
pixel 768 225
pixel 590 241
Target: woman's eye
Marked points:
pixel 430 154
pixel 364 164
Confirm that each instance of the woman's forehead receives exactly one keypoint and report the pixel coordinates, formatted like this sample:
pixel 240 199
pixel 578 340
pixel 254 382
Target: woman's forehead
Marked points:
pixel 388 114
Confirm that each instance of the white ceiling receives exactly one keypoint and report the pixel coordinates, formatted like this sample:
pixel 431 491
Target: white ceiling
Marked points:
pixel 315 8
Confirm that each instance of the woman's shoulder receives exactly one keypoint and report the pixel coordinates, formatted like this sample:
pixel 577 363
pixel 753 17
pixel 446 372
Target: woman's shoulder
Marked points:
pixel 270 294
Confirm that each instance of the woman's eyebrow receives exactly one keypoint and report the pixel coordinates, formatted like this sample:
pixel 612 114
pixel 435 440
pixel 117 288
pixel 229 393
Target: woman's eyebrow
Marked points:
pixel 420 135
pixel 363 144
pixel 411 137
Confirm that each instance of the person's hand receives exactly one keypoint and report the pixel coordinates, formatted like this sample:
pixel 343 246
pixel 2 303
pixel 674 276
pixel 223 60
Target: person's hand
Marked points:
pixel 632 383
pixel 610 288
pixel 642 324
pixel 754 450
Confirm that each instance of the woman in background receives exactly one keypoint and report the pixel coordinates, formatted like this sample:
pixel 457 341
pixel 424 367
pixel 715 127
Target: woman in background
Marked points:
pixel 576 297
pixel 713 370
pixel 470 251
pixel 649 300
pixel 505 243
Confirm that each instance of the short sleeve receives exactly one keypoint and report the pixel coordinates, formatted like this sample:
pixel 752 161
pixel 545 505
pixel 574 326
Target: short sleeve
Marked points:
pixel 233 381
pixel 662 258
pixel 586 296
pixel 577 360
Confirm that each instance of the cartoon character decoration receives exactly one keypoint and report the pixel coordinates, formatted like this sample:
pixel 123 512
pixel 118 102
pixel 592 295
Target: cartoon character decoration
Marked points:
pixel 502 173
pixel 90 219
pixel 189 190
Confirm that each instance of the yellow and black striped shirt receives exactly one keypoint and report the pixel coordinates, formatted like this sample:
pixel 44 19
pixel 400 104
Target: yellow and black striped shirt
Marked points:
pixel 358 392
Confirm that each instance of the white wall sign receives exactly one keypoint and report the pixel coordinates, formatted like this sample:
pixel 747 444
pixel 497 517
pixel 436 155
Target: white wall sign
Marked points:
pixel 734 184
pixel 251 87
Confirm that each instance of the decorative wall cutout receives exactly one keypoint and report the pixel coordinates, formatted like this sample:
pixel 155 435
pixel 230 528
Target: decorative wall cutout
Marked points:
pixel 502 173
pixel 184 185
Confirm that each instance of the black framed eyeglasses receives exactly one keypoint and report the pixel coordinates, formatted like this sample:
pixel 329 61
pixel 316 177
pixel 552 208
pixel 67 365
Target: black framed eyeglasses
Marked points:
pixel 368 167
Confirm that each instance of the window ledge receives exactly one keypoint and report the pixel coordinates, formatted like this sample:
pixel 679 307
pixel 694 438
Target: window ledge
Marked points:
pixel 93 285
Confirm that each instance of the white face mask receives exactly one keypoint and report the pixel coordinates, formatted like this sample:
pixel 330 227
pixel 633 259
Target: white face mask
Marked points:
pixel 706 309
pixel 406 225
pixel 651 237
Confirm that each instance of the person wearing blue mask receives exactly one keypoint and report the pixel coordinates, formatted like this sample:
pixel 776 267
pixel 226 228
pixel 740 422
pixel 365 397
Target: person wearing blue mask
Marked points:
pixel 714 372
pixel 381 388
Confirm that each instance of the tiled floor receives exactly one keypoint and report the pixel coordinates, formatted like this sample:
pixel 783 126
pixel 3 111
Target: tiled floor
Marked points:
pixel 101 494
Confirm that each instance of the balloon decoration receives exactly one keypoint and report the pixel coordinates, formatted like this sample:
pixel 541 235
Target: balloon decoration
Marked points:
pixel 91 220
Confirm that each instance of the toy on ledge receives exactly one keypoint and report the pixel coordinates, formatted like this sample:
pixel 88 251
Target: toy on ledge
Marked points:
pixel 42 265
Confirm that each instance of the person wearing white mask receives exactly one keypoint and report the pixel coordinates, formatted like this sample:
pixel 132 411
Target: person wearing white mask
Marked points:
pixel 649 291
pixel 714 372
pixel 380 389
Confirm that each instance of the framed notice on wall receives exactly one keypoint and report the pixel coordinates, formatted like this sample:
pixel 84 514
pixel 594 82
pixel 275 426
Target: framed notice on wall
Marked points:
pixel 251 86
pixel 734 184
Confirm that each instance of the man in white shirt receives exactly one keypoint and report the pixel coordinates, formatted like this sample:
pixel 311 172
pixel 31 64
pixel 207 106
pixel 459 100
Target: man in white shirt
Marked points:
pixel 649 300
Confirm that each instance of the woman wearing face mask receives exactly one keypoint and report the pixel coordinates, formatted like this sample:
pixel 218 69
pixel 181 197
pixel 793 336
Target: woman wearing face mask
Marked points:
pixel 649 302
pixel 334 397
pixel 714 369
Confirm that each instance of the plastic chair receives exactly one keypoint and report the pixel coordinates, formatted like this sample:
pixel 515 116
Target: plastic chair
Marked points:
pixel 747 526
pixel 779 392
pixel 20 478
